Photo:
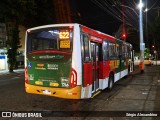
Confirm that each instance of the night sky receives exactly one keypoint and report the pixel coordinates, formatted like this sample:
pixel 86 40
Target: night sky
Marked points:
pixel 95 18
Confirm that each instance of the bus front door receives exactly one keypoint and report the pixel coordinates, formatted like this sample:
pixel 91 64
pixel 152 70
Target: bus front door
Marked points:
pixel 95 66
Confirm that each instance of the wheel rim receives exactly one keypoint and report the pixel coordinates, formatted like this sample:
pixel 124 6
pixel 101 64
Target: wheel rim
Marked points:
pixel 111 82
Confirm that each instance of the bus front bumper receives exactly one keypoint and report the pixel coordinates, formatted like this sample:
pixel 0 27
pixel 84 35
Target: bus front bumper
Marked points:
pixel 68 93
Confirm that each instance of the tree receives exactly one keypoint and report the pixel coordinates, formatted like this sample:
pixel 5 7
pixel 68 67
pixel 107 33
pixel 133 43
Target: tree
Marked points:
pixel 42 13
pixel 15 12
pixel 155 32
pixel 29 13
pixel 12 51
pixel 132 36
pixel 147 53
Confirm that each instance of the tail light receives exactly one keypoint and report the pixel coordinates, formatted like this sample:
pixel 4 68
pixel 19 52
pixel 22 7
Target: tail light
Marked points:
pixel 73 78
pixel 26 75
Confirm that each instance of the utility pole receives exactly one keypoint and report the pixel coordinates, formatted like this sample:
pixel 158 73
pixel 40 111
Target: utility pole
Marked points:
pixel 123 24
pixel 142 45
pixel 147 45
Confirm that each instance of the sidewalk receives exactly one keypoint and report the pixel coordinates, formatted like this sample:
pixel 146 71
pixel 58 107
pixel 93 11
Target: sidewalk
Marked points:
pixel 136 62
pixel 14 71
pixel 139 92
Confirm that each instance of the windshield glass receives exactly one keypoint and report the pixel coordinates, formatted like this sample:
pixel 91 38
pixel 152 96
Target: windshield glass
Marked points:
pixel 51 38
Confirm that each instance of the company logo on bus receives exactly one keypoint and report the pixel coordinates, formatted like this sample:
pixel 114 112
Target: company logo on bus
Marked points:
pixel 46 57
pixel 52 67
pixel 95 38
pixel 40 65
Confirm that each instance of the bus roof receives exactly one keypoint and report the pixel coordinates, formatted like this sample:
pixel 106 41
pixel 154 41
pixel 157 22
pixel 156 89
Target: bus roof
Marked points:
pixel 87 29
pixel 52 25
pixel 98 33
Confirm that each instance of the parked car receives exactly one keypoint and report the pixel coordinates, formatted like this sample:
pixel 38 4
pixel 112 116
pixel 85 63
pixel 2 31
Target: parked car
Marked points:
pixel 148 61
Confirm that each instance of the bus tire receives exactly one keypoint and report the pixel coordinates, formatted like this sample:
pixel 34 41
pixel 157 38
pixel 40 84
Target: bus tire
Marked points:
pixel 111 81
pixel 128 69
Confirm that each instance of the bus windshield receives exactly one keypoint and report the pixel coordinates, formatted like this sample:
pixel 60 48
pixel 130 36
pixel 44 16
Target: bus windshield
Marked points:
pixel 52 38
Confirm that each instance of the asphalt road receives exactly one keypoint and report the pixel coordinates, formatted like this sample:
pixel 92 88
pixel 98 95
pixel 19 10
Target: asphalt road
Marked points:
pixel 137 92
pixel 14 97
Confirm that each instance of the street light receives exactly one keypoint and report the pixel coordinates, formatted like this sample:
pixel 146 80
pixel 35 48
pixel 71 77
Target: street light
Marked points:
pixel 142 44
pixel 146 10
pixel 140 5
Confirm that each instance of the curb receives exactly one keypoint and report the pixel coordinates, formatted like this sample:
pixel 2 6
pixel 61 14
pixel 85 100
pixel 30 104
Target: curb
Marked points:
pixel 14 71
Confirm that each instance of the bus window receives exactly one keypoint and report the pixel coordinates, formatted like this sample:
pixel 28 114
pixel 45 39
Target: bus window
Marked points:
pixel 129 51
pixel 52 38
pixel 117 50
pixel 124 51
pixel 105 50
pixel 85 47
pixel 112 50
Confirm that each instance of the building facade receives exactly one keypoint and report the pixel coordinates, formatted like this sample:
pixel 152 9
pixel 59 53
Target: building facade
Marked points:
pixel 6 35
pixel 3 36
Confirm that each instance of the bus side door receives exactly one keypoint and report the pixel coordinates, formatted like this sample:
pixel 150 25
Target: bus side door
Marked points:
pixel 86 60
pixel 95 66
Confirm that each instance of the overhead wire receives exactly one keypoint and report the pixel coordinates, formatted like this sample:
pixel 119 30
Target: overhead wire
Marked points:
pixel 116 12
pixel 153 5
pixel 103 8
pixel 131 13
pixel 111 9
pixel 131 16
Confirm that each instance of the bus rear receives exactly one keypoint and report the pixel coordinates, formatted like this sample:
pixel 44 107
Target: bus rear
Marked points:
pixel 48 62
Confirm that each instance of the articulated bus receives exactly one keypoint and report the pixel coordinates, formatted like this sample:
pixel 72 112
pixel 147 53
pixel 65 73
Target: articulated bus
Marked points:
pixel 73 61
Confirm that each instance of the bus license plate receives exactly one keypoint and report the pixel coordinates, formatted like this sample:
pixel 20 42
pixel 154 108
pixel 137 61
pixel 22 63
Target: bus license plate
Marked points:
pixel 47 92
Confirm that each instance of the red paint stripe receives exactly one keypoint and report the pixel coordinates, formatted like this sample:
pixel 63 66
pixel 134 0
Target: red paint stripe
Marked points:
pixel 49 51
pixel 97 34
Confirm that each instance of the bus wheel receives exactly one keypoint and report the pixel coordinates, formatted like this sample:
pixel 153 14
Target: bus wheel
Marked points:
pixel 128 69
pixel 111 81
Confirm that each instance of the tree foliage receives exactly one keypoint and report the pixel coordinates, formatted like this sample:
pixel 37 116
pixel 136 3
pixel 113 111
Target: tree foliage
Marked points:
pixel 12 51
pixel 132 36
pixel 155 33
pixel 11 9
pixel 147 53
pixel 42 13
pixel 14 12
pixel 29 13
